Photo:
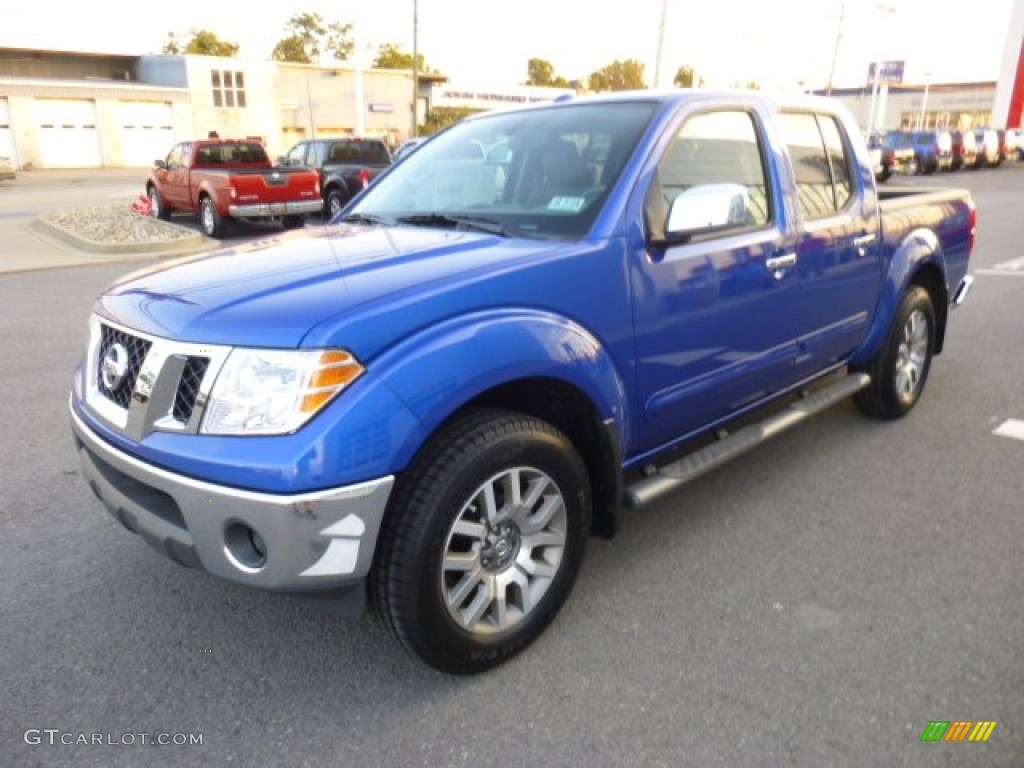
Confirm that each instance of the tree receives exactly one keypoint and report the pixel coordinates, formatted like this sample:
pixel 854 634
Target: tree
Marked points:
pixel 685 78
pixel 541 72
pixel 202 43
pixel 308 37
pixel 442 117
pixel 390 56
pixel 625 75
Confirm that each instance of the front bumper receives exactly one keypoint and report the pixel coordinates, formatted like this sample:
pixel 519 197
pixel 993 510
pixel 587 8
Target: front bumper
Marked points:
pixel 307 543
pixel 266 210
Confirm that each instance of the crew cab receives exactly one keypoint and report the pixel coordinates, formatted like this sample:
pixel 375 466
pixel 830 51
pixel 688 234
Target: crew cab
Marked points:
pixel 219 180
pixel 345 166
pixel 541 317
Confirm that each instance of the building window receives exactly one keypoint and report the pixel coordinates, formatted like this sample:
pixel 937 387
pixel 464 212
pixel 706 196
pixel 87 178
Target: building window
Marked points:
pixel 228 88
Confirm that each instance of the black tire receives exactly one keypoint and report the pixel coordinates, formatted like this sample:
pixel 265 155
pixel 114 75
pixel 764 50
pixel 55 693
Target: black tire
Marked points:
pixel 293 222
pixel 900 368
pixel 159 210
pixel 209 219
pixel 883 176
pixel 438 566
pixel 334 202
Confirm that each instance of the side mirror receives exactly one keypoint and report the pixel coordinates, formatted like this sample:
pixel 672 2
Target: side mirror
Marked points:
pixel 160 164
pixel 707 207
pixel 282 160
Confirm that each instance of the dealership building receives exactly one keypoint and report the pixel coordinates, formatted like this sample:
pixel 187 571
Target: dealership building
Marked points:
pixel 78 110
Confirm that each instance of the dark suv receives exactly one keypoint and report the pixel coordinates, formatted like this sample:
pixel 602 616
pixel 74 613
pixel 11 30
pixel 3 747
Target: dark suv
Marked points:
pixel 346 166
pixel 933 150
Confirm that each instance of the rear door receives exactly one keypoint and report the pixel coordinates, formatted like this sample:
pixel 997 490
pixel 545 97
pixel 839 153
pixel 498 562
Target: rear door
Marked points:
pixel 839 244
pixel 717 315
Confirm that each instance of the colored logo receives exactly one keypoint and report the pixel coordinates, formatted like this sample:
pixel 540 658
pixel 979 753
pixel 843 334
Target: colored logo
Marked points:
pixel 958 730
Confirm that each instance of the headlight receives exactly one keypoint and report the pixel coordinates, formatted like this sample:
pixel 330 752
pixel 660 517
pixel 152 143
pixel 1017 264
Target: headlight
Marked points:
pixel 272 392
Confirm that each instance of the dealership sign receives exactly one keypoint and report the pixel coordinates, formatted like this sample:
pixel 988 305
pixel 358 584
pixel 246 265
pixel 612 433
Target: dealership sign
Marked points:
pixel 886 72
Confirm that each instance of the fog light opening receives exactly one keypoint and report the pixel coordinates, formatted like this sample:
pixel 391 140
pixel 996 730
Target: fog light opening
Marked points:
pixel 244 547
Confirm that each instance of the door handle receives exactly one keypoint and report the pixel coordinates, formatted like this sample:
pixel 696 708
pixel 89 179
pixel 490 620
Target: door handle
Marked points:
pixel 863 241
pixel 779 263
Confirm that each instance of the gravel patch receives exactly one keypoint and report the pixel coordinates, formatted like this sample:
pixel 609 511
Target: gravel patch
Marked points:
pixel 116 225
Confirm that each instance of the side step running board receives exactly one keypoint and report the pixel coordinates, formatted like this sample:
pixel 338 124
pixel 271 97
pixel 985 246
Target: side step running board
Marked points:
pixel 671 476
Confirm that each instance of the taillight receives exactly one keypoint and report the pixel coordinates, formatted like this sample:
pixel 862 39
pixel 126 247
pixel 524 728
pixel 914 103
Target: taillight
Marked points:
pixel 972 223
pixel 364 177
pixel 233 192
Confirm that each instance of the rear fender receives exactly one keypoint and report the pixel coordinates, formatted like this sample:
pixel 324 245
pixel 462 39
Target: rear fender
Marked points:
pixel 437 371
pixel 917 250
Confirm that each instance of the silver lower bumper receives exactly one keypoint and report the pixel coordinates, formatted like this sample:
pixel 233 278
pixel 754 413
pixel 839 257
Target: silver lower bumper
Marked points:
pixel 307 542
pixel 265 210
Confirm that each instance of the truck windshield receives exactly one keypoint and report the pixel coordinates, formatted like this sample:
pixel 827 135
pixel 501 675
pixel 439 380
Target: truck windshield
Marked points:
pixel 531 173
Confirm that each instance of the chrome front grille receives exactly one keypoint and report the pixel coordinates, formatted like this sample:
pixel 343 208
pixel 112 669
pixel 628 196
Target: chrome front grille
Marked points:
pixel 113 340
pixel 188 387
pixel 139 383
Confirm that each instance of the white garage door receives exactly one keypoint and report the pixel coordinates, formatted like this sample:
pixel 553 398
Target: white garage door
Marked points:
pixel 147 132
pixel 68 137
pixel 6 134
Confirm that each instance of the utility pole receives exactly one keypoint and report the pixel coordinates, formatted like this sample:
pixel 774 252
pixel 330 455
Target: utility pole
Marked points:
pixel 415 65
pixel 835 50
pixel 661 44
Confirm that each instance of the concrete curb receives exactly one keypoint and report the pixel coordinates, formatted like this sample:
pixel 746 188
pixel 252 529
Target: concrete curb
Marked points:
pixel 193 243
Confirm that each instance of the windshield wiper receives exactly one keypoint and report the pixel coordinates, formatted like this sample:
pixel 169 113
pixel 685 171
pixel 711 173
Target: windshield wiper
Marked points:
pixel 361 218
pixel 478 223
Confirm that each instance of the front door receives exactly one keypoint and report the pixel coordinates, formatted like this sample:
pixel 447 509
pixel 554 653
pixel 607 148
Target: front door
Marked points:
pixel 717 317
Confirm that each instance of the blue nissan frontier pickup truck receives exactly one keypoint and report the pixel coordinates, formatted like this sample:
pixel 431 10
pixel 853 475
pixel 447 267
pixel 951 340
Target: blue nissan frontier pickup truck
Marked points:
pixel 542 317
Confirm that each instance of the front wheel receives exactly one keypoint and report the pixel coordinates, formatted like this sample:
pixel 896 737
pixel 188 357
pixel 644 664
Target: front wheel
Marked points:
pixel 158 209
pixel 483 540
pixel 899 369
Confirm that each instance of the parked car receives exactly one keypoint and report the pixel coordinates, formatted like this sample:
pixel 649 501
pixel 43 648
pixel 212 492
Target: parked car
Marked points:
pixel 7 171
pixel 965 150
pixel 219 179
pixel 345 166
pixel 989 150
pixel 431 406
pixel 1015 143
pixel 898 154
pixel 409 146
pixel 933 151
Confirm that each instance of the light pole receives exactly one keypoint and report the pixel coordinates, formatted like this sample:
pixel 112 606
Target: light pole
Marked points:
pixel 924 101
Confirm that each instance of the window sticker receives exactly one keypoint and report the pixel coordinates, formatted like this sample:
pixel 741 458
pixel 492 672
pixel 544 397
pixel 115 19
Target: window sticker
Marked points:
pixel 567 204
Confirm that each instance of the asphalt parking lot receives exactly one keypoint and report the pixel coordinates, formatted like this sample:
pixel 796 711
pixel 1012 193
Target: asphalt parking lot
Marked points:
pixel 816 603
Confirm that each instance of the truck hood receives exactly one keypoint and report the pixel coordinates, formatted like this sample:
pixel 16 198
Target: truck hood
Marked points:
pixel 276 292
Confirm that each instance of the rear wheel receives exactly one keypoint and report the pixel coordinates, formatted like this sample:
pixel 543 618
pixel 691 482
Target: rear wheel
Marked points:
pixel 334 203
pixel 483 541
pixel 900 368
pixel 211 222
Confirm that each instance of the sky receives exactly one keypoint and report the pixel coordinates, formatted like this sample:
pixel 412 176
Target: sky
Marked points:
pixel 776 43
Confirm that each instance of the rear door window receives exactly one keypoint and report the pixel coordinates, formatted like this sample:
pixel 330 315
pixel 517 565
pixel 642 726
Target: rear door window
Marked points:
pixel 821 162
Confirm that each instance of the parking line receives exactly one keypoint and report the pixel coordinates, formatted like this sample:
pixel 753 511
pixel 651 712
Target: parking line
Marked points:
pixel 1010 428
pixel 999 272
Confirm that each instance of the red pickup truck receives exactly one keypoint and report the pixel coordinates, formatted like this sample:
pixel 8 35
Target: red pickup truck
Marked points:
pixel 220 179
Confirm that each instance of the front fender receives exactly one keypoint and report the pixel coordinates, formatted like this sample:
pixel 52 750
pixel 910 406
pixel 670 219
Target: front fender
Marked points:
pixel 917 250
pixel 437 371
